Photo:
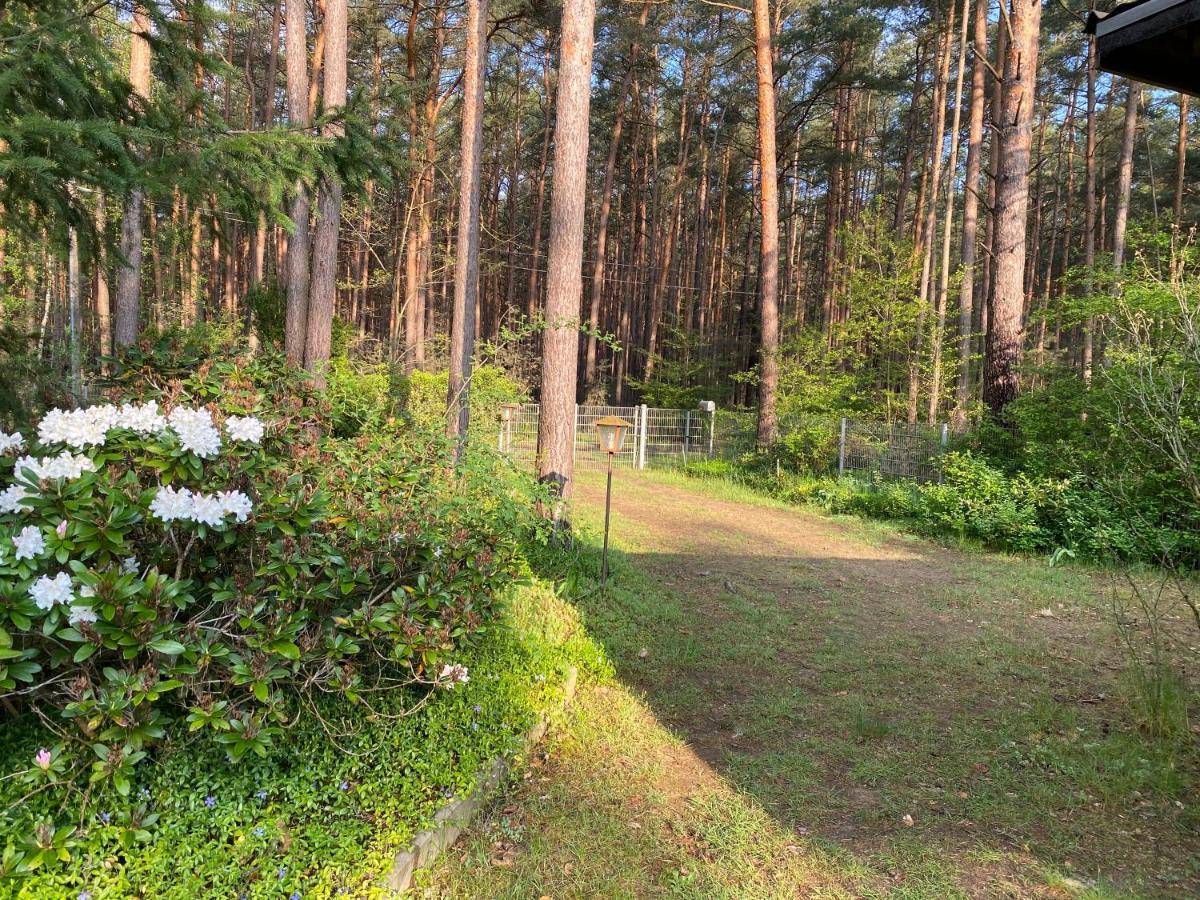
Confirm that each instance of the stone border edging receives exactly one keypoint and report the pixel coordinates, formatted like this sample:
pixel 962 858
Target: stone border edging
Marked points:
pixel 452 819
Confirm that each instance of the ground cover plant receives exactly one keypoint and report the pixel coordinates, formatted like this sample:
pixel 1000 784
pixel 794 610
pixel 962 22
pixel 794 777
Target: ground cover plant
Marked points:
pixel 202 569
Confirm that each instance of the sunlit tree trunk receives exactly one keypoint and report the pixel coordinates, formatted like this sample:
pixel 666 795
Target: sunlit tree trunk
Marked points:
pixel 323 288
pixel 466 261
pixel 296 62
pixel 1001 382
pixel 768 383
pixel 564 275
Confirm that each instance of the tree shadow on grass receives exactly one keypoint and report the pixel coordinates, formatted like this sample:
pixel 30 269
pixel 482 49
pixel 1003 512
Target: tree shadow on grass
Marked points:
pixel 889 706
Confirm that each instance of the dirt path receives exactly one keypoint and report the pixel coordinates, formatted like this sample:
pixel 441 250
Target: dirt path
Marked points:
pixel 841 710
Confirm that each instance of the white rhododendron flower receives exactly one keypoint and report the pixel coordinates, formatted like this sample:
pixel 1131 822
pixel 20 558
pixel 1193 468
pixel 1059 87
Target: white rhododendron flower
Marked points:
pixel 29 542
pixel 143 418
pixel 196 431
pixel 11 497
pixel 248 429
pixel 12 441
pixel 81 614
pixel 66 465
pixel 130 566
pixel 171 503
pixel 79 428
pixel 87 591
pixel 207 509
pixel 236 504
pixel 453 674
pixel 49 592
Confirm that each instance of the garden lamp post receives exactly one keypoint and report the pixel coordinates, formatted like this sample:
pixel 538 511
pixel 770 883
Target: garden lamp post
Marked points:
pixel 611 432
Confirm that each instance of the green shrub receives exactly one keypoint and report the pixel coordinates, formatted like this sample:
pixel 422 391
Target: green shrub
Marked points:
pixel 322 814
pixel 425 398
pixel 190 563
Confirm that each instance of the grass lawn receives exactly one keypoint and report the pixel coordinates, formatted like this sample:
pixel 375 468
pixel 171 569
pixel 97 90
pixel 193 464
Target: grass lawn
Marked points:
pixel 826 707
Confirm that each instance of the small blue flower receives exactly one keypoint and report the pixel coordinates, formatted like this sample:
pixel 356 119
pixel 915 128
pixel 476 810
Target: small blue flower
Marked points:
pixel 344 786
pixel 282 873
pixel 474 726
pixel 261 795
pixel 259 831
pixel 210 801
pixel 144 793
pixel 85 894
pixel 105 817
pixel 294 896
pixel 477 708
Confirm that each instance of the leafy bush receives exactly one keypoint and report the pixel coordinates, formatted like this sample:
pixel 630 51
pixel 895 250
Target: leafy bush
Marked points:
pixel 425 398
pixel 193 563
pixel 324 813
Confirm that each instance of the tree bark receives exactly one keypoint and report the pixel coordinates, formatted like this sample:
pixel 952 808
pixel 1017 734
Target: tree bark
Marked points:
pixel 1001 382
pixel 466 261
pixel 1125 174
pixel 564 276
pixel 127 299
pixel 970 232
pixel 768 384
pixel 296 61
pixel 1181 159
pixel 322 288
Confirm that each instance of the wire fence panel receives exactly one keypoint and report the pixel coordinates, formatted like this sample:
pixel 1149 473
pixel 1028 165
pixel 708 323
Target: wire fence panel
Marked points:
pixel 674 437
pixel 892 449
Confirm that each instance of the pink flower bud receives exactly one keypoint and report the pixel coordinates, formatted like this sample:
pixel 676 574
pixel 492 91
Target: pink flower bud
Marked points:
pixel 43 759
pixel 61 530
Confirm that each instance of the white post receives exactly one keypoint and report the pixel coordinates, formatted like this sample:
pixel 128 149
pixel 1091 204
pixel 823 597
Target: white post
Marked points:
pixel 641 462
pixel 712 430
pixel 842 448
pixel 687 434
pixel 945 433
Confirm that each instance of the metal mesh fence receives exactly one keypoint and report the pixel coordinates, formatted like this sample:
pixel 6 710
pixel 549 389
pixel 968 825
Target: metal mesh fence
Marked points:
pixel 674 437
pixel 891 449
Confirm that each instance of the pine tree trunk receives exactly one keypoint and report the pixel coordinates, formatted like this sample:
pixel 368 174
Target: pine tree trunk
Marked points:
pixel 296 61
pixel 768 383
pixel 1089 208
pixel 1125 174
pixel 966 293
pixel 127 300
pixel 466 260
pixel 1001 382
pixel 322 288
pixel 1181 159
pixel 564 276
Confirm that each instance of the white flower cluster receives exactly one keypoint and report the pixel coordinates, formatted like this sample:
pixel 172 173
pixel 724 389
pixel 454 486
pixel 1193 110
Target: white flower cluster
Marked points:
pixel 89 426
pixel 81 614
pixel 11 498
pixel 196 431
pixel 245 428
pixel 66 465
pixel 452 675
pixel 12 441
pixel 49 592
pixel 171 504
pixel 29 542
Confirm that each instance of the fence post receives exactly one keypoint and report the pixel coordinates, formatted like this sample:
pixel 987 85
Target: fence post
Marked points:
pixel 641 461
pixel 945 433
pixel 687 434
pixel 842 448
pixel 712 430
pixel 575 436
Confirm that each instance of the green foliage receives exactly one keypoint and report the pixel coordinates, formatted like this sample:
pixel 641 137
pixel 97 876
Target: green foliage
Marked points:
pixel 341 567
pixel 322 813
pixel 425 398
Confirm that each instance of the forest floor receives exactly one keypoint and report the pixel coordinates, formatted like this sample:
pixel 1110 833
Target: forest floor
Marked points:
pixel 817 706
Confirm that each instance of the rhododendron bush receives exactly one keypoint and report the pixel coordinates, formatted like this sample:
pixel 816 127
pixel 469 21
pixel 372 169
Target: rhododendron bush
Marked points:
pixel 201 556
